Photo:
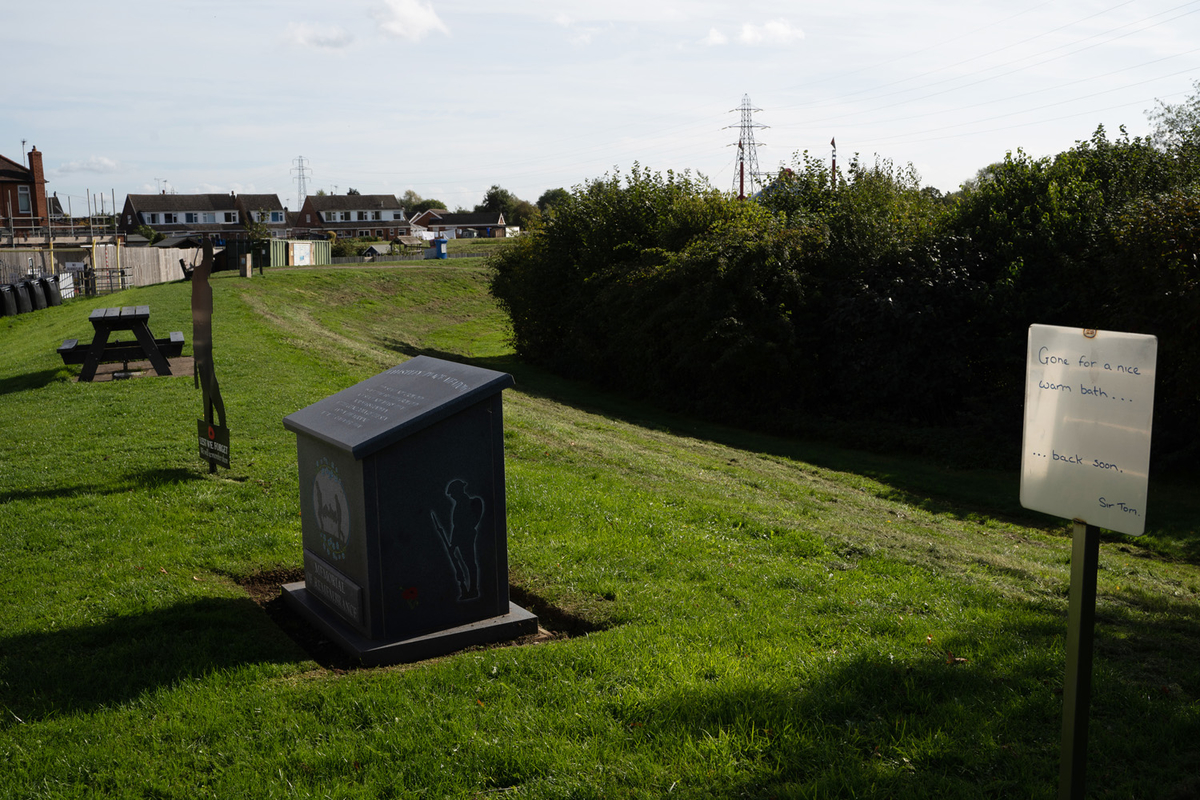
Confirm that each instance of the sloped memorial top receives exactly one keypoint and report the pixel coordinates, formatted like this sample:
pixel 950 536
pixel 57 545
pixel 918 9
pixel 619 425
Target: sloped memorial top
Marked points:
pixel 395 404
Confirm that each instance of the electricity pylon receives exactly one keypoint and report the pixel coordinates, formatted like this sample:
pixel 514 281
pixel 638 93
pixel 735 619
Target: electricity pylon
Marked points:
pixel 746 175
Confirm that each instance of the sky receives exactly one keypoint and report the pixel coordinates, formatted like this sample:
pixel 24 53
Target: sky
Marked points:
pixel 449 97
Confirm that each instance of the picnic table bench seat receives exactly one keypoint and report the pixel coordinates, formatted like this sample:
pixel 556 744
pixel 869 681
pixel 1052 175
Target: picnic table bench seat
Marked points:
pixel 72 353
pixel 101 351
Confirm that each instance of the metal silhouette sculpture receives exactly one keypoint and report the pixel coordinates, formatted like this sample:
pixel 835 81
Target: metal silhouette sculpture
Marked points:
pixel 205 374
pixel 460 535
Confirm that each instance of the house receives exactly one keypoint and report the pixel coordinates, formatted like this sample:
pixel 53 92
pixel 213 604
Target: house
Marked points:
pixel 219 217
pixel 267 209
pixel 484 224
pixel 365 216
pixel 23 206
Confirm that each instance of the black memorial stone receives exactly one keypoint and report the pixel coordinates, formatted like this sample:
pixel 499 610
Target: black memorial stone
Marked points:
pixel 402 513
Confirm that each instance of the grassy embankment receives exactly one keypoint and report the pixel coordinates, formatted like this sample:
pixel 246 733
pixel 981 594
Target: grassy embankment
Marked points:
pixel 767 618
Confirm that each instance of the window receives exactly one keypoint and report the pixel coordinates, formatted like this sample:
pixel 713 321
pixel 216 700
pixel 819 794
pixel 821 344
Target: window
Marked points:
pixel 231 216
pixel 345 216
pixel 376 215
pixel 308 217
pixel 152 219
pixel 397 215
pixel 23 204
pixel 276 216
pixel 170 218
pixel 191 218
pixel 364 234
pixel 210 217
pixel 362 215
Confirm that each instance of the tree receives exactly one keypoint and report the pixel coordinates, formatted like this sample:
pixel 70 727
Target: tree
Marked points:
pixel 497 199
pixel 258 231
pixel 351 191
pixel 1177 125
pixel 1177 131
pixel 151 234
pixel 425 205
pixel 516 211
pixel 550 198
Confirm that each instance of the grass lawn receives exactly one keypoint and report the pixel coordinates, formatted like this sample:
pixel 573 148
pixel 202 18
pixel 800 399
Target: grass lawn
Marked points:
pixel 737 615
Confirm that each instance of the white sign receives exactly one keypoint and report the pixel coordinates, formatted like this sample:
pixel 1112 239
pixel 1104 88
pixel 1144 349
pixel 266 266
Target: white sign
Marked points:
pixel 1089 404
pixel 301 254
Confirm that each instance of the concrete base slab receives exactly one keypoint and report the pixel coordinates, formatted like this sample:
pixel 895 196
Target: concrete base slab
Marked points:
pixel 375 653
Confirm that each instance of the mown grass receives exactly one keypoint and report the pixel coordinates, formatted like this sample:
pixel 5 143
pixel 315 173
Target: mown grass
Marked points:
pixel 771 618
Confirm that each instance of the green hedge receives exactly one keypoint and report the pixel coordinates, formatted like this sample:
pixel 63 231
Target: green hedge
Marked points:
pixel 866 299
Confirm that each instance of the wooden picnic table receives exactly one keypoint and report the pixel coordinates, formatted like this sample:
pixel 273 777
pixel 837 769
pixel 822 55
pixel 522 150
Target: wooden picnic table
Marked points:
pixel 135 319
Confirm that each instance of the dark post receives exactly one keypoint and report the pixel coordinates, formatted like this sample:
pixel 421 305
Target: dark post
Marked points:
pixel 205 371
pixel 1077 689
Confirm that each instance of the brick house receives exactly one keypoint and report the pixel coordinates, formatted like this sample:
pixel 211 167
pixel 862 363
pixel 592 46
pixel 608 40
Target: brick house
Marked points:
pixel 23 206
pixel 220 217
pixel 364 216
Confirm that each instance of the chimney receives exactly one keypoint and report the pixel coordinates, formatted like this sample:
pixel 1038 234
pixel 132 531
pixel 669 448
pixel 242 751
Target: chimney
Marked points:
pixel 40 209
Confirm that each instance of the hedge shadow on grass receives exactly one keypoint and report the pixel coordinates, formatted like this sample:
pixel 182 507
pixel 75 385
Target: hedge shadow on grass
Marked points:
pixel 935 726
pixel 953 492
pixel 49 673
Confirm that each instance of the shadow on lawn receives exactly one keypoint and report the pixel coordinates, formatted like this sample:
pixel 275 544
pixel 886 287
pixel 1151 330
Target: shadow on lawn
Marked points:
pixel 30 381
pixel 70 670
pixel 136 479
pixel 870 726
pixel 915 481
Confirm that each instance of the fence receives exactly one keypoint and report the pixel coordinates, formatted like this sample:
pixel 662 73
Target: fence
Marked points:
pixel 100 269
pixel 405 256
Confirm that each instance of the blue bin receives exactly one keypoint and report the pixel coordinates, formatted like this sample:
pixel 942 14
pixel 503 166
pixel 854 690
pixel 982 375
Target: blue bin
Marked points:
pixel 439 247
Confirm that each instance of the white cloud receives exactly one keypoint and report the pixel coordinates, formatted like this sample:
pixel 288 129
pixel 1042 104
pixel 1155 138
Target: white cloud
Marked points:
pixel 319 36
pixel 98 164
pixel 408 19
pixel 778 31
pixel 714 38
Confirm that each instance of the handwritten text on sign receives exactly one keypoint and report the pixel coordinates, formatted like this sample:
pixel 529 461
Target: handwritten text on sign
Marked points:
pixel 1089 403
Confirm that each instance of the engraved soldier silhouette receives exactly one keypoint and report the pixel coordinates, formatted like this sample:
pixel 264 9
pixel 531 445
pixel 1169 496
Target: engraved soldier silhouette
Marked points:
pixel 459 537
pixel 202 310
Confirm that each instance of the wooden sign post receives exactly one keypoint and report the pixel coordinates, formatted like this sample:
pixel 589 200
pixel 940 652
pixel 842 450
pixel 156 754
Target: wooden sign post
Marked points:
pixel 212 436
pixel 1089 405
